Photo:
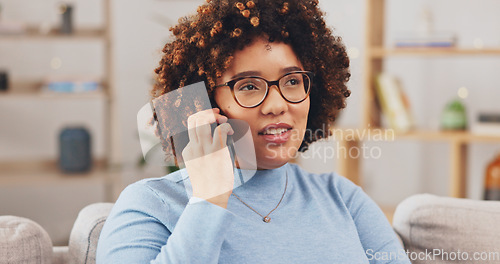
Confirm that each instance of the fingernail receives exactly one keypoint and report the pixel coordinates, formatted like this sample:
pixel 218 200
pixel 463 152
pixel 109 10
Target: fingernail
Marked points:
pixel 221 119
pixel 230 131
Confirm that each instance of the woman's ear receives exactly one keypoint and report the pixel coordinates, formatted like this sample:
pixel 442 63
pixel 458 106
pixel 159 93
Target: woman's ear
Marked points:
pixel 215 105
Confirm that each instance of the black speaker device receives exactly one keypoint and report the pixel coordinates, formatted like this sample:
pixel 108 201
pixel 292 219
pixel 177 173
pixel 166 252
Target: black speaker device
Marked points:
pixel 75 150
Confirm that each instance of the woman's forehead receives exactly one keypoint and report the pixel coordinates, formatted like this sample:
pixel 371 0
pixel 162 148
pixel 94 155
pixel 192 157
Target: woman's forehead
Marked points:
pixel 261 57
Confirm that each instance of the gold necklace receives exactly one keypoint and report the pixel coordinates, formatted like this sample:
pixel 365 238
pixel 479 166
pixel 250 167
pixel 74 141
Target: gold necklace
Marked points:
pixel 266 218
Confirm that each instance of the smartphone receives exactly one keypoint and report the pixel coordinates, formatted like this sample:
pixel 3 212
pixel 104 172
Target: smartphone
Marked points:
pixel 169 114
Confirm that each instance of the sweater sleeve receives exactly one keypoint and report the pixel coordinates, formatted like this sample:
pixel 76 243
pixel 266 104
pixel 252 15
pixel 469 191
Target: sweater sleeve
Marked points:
pixel 136 230
pixel 379 240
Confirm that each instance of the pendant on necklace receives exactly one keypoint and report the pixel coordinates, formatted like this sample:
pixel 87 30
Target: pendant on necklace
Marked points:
pixel 266 219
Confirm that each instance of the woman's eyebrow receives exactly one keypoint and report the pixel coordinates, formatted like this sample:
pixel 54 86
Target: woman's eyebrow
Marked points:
pixel 246 74
pixel 258 73
pixel 290 69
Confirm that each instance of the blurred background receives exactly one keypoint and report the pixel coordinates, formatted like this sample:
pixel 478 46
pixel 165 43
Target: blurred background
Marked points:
pixel 423 115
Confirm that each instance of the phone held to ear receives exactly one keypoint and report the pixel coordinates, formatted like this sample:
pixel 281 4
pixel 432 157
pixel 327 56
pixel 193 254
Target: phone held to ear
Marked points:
pixel 163 128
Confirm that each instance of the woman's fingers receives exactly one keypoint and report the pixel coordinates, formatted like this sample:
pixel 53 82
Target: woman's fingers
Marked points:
pixel 207 159
pixel 204 131
pixel 197 122
pixel 192 129
pixel 220 135
pixel 220 118
pixel 199 128
pixel 204 128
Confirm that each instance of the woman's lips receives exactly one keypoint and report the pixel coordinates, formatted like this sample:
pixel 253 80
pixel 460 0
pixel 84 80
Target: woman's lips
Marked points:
pixel 274 126
pixel 278 138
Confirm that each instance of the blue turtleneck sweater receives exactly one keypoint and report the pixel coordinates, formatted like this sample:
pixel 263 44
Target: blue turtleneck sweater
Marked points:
pixel 323 218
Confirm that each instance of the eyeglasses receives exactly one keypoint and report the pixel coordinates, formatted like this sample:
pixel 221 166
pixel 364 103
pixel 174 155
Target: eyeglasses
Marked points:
pixel 251 91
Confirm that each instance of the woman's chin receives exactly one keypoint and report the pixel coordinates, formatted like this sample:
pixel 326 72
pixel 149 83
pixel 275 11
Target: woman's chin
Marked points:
pixel 270 157
pixel 274 158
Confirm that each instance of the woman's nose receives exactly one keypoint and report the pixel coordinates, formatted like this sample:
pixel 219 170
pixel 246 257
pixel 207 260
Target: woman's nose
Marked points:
pixel 274 102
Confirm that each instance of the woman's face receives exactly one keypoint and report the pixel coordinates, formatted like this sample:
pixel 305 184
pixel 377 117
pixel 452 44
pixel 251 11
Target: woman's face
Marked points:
pixel 269 61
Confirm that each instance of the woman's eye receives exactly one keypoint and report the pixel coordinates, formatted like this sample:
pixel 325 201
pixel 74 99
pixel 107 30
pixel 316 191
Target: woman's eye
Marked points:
pixel 248 87
pixel 293 82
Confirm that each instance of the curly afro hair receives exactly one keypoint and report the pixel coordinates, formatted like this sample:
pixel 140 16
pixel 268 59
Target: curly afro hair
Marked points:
pixel 205 42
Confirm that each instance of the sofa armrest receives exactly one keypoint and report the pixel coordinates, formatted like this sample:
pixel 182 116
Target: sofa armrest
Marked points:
pixel 85 233
pixel 443 229
pixel 60 255
pixel 23 241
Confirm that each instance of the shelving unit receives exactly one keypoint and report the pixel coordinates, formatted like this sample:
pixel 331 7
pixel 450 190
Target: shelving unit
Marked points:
pixel 47 170
pixel 24 90
pixel 380 52
pixel 421 135
pixel 32 186
pixel 79 34
pixel 376 53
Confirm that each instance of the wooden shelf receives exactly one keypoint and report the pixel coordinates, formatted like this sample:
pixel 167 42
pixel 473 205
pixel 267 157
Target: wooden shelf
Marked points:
pixel 53 95
pixel 35 34
pixel 452 136
pixel 47 172
pixel 374 60
pixel 360 134
pixel 32 90
pixel 458 141
pixel 35 174
pixel 39 189
pixel 380 52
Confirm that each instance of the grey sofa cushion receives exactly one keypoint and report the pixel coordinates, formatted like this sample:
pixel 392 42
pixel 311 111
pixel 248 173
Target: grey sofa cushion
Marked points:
pixel 85 233
pixel 23 241
pixel 448 230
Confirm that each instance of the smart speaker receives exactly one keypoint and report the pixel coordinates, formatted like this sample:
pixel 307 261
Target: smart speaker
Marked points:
pixel 75 150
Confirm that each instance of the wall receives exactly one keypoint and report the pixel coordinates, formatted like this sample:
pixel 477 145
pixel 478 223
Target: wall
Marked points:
pixel 140 30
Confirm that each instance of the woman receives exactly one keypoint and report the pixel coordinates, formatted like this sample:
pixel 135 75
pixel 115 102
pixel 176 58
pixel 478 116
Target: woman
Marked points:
pixel 276 66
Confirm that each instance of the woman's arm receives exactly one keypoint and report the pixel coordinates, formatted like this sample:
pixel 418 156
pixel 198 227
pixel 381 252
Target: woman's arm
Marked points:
pixel 375 233
pixel 136 230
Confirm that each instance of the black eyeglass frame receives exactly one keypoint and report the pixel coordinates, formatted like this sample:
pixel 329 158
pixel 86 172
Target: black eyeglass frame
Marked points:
pixel 231 84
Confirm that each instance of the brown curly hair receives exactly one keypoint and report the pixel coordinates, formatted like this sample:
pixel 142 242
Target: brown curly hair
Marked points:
pixel 205 42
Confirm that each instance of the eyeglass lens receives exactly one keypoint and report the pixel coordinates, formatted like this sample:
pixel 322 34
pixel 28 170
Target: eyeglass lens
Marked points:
pixel 251 91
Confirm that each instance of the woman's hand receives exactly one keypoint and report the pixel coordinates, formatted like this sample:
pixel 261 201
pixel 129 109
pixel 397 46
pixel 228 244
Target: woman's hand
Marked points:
pixel 207 157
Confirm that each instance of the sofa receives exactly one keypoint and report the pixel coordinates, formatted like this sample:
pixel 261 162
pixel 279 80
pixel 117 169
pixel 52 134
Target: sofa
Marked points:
pixel 432 229
pixel 24 241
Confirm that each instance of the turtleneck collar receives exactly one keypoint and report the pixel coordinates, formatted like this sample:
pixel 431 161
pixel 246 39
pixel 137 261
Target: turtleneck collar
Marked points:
pixel 257 184
pixel 261 184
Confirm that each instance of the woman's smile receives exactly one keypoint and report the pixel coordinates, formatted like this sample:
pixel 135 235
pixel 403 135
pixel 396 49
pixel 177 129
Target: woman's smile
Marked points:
pixel 276 133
